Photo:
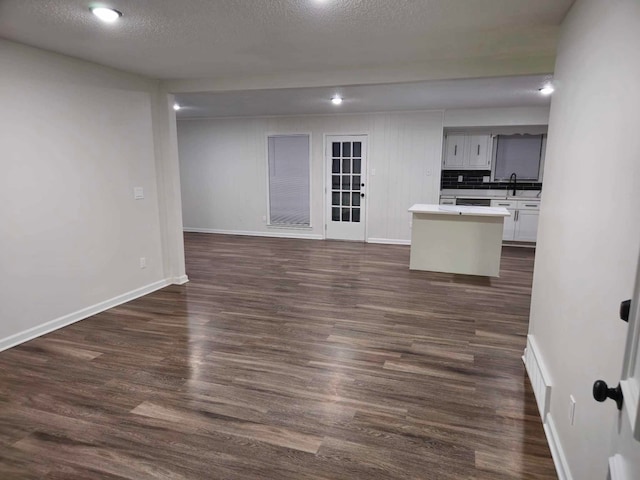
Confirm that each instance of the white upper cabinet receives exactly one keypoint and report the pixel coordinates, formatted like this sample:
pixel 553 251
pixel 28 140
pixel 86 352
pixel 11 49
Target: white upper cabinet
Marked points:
pixel 455 151
pixel 467 152
pixel 478 152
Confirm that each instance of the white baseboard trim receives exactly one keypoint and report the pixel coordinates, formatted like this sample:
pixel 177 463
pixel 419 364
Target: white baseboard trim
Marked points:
pixel 389 241
pixel 65 320
pixel 559 458
pixel 617 470
pixel 181 280
pixel 276 234
pixel 519 244
pixel 538 375
pixel 541 384
pixel 288 234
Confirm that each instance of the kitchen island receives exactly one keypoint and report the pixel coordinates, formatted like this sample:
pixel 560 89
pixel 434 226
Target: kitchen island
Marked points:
pixel 457 239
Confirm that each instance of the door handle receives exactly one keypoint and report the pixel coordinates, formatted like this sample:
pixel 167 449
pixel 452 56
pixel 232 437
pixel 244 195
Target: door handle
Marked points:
pixel 362 195
pixel 624 310
pixel 601 392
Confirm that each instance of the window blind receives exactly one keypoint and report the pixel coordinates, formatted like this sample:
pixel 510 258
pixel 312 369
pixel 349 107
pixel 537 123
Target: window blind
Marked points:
pixel 289 202
pixel 519 154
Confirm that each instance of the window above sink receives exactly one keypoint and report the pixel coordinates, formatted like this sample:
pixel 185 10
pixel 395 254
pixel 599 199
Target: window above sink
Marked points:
pixel 519 154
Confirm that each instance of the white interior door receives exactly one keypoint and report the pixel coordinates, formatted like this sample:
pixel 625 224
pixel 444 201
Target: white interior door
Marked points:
pixel 624 463
pixel 346 168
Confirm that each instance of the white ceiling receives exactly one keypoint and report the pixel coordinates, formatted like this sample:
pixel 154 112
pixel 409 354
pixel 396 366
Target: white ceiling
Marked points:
pixel 189 39
pixel 469 93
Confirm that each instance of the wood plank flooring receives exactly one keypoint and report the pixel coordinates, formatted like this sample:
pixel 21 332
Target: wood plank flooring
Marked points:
pixel 285 359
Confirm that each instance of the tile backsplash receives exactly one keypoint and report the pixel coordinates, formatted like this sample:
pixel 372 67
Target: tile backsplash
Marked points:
pixel 473 179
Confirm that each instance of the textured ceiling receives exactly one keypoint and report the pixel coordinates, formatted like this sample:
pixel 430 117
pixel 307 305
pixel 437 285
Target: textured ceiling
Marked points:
pixel 187 39
pixel 473 93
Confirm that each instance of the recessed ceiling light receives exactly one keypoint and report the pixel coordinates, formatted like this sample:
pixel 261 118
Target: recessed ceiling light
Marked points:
pixel 336 100
pixel 547 89
pixel 176 106
pixel 108 15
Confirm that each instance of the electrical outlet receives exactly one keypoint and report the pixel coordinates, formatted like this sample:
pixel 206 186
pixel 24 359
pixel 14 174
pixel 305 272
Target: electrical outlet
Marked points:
pixel 143 262
pixel 486 179
pixel 572 410
pixel 138 193
pixel 373 172
pixel 460 178
pixel 264 218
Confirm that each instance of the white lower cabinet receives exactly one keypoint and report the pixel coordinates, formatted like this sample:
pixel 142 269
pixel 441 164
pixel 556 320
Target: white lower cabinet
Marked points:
pixel 526 226
pixel 522 225
pixel 509 230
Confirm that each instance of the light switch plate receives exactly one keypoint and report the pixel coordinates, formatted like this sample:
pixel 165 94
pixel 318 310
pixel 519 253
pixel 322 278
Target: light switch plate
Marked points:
pixel 572 410
pixel 486 179
pixel 138 193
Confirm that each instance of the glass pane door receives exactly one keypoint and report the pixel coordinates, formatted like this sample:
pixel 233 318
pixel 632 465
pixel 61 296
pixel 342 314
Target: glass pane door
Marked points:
pixel 346 171
pixel 346 160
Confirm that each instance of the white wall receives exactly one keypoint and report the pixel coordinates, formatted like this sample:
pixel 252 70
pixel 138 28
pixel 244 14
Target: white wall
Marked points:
pixel 168 181
pixel 223 169
pixel 589 233
pixel 75 139
pixel 491 117
pixel 436 69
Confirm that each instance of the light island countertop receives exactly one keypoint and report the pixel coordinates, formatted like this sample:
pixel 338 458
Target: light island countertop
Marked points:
pixel 460 210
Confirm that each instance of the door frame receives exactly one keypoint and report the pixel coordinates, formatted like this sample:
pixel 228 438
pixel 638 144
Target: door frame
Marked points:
pixel 267 222
pixel 325 173
pixel 630 378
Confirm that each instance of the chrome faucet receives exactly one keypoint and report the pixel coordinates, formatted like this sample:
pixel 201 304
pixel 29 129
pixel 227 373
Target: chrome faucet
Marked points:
pixel 513 177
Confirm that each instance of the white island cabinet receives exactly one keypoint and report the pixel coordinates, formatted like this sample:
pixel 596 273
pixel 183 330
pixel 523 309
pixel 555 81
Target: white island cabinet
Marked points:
pixel 457 239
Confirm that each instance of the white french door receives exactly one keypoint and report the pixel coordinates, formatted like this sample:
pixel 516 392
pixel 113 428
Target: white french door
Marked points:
pixel 624 463
pixel 346 167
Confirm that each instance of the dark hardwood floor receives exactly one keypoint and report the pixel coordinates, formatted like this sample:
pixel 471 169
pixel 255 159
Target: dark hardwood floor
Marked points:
pixel 285 359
